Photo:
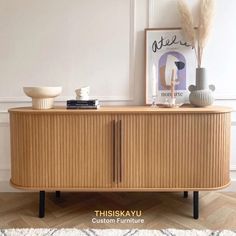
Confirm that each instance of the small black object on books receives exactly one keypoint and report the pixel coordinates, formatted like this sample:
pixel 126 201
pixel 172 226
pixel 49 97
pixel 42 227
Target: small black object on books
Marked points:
pixel 83 104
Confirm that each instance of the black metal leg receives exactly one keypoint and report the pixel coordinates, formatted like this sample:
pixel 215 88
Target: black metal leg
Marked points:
pixel 196 205
pixel 185 194
pixel 41 204
pixel 58 194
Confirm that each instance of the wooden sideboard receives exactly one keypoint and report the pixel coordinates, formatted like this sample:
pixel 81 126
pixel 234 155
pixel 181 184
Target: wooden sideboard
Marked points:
pixel 120 149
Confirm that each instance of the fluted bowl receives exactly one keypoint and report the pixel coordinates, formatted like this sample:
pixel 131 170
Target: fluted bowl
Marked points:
pixel 42 97
pixel 201 98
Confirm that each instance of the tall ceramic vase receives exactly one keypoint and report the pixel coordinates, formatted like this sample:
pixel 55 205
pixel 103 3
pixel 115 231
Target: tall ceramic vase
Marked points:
pixel 201 93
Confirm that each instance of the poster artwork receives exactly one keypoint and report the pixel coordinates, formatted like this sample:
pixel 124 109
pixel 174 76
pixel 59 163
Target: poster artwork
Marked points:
pixel 168 52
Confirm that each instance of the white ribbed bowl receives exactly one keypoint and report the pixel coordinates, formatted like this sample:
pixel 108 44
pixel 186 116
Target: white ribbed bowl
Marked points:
pixel 42 97
pixel 201 98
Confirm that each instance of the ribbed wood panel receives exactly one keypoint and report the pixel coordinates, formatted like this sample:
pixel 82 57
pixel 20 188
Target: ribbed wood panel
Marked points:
pixel 175 151
pixel 64 151
pixel 146 151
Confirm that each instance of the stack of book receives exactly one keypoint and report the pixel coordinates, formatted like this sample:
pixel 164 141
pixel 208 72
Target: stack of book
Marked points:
pixel 83 104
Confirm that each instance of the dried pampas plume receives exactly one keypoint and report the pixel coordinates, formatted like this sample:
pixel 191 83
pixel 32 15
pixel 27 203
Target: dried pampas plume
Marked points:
pixel 187 22
pixel 205 25
pixel 206 19
pixel 207 8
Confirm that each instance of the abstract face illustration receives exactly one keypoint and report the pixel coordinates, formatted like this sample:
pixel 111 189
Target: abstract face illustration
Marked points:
pixel 168 62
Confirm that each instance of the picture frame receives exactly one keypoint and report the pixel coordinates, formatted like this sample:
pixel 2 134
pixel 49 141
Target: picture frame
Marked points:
pixel 167 52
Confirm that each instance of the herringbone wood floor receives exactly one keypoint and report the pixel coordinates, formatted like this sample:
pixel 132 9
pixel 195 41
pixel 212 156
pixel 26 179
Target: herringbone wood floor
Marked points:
pixel 159 210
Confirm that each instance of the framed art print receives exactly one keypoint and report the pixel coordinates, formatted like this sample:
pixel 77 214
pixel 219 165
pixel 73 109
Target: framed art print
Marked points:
pixel 167 53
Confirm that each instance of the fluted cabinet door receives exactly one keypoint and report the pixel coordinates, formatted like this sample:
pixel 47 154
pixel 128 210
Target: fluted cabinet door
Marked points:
pixel 133 157
pixel 175 151
pixel 62 150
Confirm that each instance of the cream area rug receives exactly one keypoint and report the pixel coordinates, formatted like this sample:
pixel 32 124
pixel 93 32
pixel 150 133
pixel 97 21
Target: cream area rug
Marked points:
pixel 112 232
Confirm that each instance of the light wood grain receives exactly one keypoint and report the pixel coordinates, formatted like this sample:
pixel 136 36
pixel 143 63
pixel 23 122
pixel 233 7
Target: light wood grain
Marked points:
pixel 175 151
pixel 127 109
pixel 61 151
pixel 154 151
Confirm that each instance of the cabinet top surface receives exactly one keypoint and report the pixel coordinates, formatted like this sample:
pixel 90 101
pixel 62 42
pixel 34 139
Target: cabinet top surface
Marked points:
pixel 126 109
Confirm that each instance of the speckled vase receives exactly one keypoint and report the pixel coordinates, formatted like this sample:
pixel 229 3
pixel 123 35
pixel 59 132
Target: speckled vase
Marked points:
pixel 201 93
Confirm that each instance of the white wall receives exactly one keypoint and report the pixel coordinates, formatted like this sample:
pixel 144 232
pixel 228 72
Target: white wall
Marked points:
pixel 68 43
pixel 47 42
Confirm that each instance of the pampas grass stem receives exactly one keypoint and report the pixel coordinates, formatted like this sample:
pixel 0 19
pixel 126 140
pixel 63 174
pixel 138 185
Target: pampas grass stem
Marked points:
pixel 187 22
pixel 205 25
pixel 204 29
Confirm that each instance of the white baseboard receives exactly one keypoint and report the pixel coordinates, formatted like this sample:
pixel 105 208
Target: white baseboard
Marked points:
pixel 4 175
pixel 231 188
pixel 6 187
